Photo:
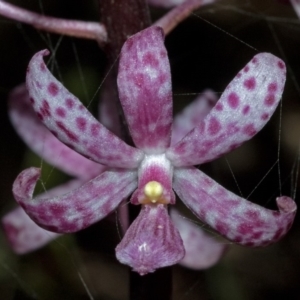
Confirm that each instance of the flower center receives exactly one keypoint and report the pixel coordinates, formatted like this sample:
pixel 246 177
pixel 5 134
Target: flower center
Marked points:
pixel 153 192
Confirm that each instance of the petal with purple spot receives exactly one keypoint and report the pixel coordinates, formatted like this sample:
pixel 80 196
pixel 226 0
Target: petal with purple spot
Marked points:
pixel 235 218
pixel 151 242
pixel 244 108
pixel 43 142
pixel 78 209
pixel 66 117
pixel 144 82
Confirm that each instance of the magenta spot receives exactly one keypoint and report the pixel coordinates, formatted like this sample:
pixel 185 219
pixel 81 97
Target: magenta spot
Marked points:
pixel 281 64
pixel 246 109
pixel 150 59
pixel 219 106
pixel 81 107
pixel 45 109
pixel 60 112
pixel 272 87
pixel 249 130
pixel 40 116
pixel 245 229
pixel 270 100
pixel 69 134
pixel 31 100
pixel 95 129
pixel 233 100
pixel 69 103
pixel 254 60
pixel 222 227
pixel 53 89
pixel 246 69
pixel 250 83
pixel 265 116
pixel 214 126
pixel 238 75
pixel 43 67
pixel 81 123
pixel 256 235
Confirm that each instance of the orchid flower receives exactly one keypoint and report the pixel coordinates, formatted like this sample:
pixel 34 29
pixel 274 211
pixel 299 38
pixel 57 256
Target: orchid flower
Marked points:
pixel 25 236
pixel 153 168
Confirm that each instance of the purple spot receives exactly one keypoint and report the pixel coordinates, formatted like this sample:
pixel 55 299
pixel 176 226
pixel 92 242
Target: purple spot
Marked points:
pixel 43 67
pixel 245 229
pixel 254 60
pixel 81 123
pixel 233 100
pixel 265 116
pixel 246 109
pixel 81 107
pixel 249 130
pixel 70 134
pixel 60 112
pixel 270 100
pixel 40 116
pixel 31 100
pixel 45 109
pixel 219 106
pixel 53 89
pixel 69 103
pixel 238 75
pixel 222 227
pixel 38 84
pixel 246 69
pixel 150 59
pixel 214 126
pixel 272 87
pixel 95 129
pixel 250 83
pixel 281 64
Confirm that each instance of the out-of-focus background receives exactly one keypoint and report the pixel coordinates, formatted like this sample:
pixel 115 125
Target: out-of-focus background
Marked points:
pixel 206 51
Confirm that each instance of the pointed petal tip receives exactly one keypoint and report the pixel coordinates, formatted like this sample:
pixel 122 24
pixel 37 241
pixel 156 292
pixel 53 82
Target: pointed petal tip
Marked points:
pixel 151 242
pixel 286 204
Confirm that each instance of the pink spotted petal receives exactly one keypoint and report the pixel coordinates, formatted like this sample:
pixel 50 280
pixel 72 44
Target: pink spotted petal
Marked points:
pixel 144 83
pixel 201 250
pixel 191 116
pixel 23 234
pixel 78 209
pixel 235 218
pixel 151 242
pixel 296 6
pixel 244 108
pixel 43 142
pixel 65 116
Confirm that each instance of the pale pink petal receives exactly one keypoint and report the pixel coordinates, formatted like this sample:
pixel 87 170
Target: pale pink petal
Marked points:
pixel 151 242
pixel 201 250
pixel 43 142
pixel 71 122
pixel 191 116
pixel 144 83
pixel 235 218
pixel 23 234
pixel 296 6
pixel 244 108
pixel 78 209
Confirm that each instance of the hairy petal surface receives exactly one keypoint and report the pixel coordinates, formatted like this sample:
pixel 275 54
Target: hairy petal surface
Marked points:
pixel 43 142
pixel 66 117
pixel 78 209
pixel 144 82
pixel 23 234
pixel 235 218
pixel 151 242
pixel 192 115
pixel 244 108
pixel 201 250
